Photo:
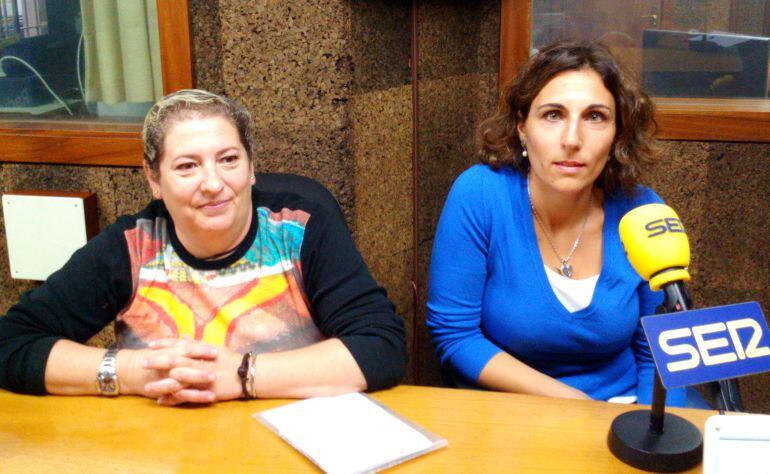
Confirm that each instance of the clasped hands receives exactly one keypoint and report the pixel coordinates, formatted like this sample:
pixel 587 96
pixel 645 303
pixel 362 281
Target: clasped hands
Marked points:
pixel 176 371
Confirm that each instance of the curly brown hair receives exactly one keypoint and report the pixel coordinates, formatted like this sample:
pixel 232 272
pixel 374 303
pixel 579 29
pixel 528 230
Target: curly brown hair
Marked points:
pixel 632 149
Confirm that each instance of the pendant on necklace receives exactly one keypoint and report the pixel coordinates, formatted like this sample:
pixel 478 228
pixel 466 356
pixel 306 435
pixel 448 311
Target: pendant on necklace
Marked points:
pixel 565 269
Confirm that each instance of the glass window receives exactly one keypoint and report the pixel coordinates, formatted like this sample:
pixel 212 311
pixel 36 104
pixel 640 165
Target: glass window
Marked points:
pixel 710 49
pixel 76 60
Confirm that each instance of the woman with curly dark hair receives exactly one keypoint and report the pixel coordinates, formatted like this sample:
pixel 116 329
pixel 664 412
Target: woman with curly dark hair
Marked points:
pixel 530 288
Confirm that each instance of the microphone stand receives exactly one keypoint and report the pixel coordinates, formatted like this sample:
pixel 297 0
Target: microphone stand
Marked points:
pixel 650 439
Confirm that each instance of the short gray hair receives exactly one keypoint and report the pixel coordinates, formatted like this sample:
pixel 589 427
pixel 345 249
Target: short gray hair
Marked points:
pixel 189 103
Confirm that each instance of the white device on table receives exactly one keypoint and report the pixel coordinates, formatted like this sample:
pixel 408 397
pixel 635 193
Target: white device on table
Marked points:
pixel 737 444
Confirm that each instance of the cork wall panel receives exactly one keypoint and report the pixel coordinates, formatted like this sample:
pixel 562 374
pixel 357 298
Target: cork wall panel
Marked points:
pixel 289 64
pixel 206 31
pixel 380 35
pixel 720 191
pixel 448 37
pixel 380 111
pixel 382 185
pixel 459 48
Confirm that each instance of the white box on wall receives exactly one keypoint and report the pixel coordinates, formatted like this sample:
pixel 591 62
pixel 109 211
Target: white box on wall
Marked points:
pixel 44 228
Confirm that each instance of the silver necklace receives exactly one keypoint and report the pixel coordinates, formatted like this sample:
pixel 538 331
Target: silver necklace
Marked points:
pixel 565 268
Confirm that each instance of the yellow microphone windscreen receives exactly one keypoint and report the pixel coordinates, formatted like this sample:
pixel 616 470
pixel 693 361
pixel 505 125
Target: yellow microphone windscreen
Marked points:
pixel 655 240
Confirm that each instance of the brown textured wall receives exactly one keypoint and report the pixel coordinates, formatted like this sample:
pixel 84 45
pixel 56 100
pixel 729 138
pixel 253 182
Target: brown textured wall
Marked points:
pixel 458 63
pixel 289 64
pixel 720 191
pixel 206 32
pixel 380 110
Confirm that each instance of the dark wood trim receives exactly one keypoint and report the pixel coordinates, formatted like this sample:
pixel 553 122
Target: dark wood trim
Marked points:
pixel 712 127
pixel 65 147
pixel 681 119
pixel 91 211
pixel 175 45
pixel 74 128
pixel 515 37
pixel 104 144
pixel 714 120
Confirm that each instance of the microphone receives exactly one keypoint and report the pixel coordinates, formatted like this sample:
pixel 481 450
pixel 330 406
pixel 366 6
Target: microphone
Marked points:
pixel 656 244
pixel 658 249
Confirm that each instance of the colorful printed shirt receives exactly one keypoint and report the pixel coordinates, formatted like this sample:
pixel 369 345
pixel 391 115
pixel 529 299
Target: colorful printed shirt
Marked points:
pixel 297 278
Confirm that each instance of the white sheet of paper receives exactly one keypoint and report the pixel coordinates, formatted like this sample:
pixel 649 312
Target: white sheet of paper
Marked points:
pixel 347 433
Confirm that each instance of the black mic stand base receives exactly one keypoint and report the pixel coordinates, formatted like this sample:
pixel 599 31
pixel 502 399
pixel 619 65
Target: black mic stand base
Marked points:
pixel 678 447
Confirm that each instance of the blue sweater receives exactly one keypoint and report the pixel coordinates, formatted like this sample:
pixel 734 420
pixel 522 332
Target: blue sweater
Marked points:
pixel 489 293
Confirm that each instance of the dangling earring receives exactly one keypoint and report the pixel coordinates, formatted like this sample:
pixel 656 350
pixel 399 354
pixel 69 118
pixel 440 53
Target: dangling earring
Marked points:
pixel 524 153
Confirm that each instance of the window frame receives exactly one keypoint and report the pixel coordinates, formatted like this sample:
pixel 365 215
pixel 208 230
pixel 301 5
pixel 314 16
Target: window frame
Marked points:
pixel 735 120
pixel 104 144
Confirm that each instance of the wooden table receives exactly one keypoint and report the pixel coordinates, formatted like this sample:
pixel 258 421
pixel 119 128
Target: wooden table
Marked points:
pixel 487 432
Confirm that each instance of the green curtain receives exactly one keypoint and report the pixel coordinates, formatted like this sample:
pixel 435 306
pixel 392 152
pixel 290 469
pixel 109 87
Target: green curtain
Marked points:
pixel 121 50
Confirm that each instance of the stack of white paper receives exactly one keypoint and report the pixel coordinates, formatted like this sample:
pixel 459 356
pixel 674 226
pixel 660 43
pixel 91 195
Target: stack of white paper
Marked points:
pixel 349 433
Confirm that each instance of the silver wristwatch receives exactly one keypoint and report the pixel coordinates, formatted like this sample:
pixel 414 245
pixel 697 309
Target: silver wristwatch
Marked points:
pixel 107 378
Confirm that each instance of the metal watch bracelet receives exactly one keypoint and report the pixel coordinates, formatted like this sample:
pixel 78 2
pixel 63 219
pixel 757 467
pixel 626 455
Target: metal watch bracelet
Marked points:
pixel 107 377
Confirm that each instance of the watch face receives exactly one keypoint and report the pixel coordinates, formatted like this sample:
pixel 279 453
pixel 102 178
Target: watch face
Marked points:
pixel 108 384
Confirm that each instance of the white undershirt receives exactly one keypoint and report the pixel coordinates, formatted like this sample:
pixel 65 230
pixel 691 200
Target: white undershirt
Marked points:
pixel 576 295
pixel 573 294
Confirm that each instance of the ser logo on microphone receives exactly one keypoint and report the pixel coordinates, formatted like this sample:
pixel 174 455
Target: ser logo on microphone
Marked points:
pixel 661 226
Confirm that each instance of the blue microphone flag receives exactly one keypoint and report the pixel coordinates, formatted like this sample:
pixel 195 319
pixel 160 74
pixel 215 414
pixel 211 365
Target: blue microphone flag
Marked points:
pixel 703 345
